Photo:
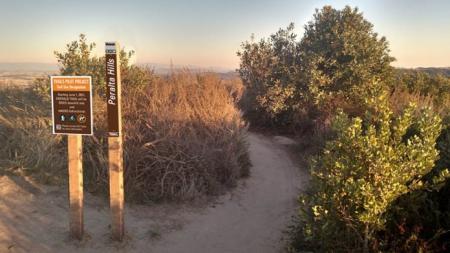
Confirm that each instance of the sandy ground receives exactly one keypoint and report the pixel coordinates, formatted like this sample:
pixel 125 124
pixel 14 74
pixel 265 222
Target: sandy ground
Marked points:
pixel 250 218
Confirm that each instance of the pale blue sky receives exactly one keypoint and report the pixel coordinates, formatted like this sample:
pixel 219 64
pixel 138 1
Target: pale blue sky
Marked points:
pixel 208 33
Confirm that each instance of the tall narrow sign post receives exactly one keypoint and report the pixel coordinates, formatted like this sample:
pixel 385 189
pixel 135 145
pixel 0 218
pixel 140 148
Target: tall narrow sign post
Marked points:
pixel 113 99
pixel 72 116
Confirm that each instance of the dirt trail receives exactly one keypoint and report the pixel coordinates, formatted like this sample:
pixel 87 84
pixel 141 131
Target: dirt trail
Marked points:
pixel 251 218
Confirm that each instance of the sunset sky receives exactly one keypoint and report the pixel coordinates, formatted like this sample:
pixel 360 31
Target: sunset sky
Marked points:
pixel 208 33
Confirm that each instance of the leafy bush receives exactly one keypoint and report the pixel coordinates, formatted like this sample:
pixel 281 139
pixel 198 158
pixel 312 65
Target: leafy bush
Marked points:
pixel 419 81
pixel 420 220
pixel 289 82
pixel 342 57
pixel 377 173
pixel 269 70
pixel 78 59
pixel 412 83
pixel 370 164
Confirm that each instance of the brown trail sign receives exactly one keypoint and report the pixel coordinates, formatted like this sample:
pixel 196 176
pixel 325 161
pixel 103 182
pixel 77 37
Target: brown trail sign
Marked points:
pixel 72 104
pixel 113 100
pixel 72 115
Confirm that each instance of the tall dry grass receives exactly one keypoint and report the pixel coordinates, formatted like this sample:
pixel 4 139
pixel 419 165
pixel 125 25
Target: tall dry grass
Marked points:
pixel 183 138
pixel 27 145
pixel 399 99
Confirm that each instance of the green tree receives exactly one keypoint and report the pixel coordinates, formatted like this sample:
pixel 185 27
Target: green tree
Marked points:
pixel 78 59
pixel 334 65
pixel 342 57
pixel 269 70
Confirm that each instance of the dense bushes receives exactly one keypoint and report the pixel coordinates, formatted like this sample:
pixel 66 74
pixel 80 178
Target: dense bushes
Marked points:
pixel 380 167
pixel 435 87
pixel 342 59
pixel 421 219
pixel 183 135
pixel 269 70
pixel 290 82
pixel 362 172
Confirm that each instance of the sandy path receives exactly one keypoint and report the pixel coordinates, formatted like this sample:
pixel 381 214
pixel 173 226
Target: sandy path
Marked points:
pixel 251 218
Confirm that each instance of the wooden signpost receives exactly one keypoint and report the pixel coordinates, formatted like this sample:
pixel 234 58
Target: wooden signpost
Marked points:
pixel 113 99
pixel 72 116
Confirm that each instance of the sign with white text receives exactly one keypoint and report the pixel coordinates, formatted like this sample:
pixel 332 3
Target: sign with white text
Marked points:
pixel 112 91
pixel 72 105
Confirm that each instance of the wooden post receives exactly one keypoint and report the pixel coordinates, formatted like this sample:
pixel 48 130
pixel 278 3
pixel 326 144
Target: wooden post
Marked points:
pixel 116 186
pixel 75 150
pixel 114 107
pixel 74 120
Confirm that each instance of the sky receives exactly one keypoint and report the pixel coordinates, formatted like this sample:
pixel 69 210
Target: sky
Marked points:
pixel 208 33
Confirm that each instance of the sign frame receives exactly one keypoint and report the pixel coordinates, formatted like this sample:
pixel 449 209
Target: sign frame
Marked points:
pixel 91 111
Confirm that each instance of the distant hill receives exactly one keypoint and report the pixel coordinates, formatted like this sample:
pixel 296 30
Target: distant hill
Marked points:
pixel 436 71
pixel 24 73
pixel 430 70
pixel 27 67
pixel 166 69
pixel 159 68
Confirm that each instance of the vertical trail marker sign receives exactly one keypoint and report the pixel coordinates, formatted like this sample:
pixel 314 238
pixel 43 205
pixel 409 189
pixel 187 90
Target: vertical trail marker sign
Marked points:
pixel 72 115
pixel 115 146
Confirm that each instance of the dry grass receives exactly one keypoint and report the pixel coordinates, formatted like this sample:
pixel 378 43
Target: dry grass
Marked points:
pixel 27 144
pixel 400 99
pixel 184 138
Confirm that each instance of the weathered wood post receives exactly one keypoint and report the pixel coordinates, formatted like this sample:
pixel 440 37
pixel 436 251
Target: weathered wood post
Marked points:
pixel 75 154
pixel 115 146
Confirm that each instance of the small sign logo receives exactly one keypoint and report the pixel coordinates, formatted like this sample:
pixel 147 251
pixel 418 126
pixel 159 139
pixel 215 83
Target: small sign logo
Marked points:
pixel 81 118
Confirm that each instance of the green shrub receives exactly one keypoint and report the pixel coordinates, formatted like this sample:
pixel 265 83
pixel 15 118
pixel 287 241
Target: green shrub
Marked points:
pixel 291 82
pixel 78 59
pixel 420 220
pixel 342 57
pixel 420 82
pixel 360 174
pixel 269 70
